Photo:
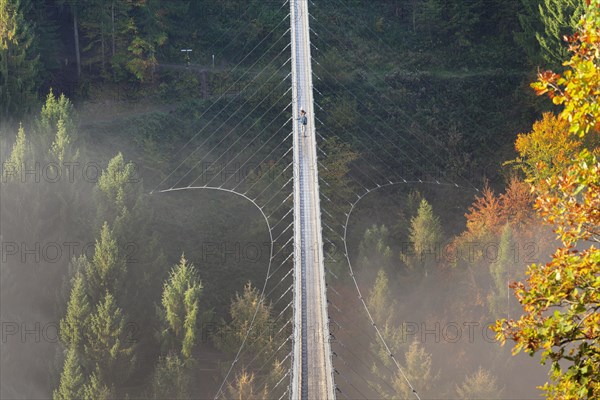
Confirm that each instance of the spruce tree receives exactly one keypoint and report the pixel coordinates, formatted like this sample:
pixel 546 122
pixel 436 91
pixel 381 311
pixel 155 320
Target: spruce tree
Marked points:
pixel 56 111
pixel 107 269
pixel 74 324
pixel 544 24
pixel 425 236
pixel 242 310
pixel 19 68
pixel 244 387
pixel 481 385
pixel 171 380
pixel 72 380
pixel 95 388
pixel 18 159
pixel 417 369
pixel 374 251
pixel 498 298
pixel 180 307
pixel 559 18
pixel 108 346
pixel 119 199
pixel 380 304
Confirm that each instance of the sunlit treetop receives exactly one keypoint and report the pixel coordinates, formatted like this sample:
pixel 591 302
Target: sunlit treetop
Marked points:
pixel 578 88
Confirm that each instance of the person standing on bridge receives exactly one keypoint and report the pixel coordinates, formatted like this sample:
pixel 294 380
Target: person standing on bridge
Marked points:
pixel 303 120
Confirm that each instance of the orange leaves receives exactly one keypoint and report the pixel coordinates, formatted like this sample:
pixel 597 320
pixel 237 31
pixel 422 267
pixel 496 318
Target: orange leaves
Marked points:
pixel 485 214
pixel 546 83
pixel 571 200
pixel 516 203
pixel 489 213
pixel 561 299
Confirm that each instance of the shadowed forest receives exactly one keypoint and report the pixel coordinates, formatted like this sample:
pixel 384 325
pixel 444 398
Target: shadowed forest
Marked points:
pixel 445 180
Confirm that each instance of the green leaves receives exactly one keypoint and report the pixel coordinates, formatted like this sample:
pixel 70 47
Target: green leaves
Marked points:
pixel 561 299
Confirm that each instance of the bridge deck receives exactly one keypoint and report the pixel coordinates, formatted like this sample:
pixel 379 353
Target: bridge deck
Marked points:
pixel 312 377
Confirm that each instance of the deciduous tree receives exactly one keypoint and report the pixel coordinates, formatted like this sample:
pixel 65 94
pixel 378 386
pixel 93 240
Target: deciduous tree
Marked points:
pixel 561 299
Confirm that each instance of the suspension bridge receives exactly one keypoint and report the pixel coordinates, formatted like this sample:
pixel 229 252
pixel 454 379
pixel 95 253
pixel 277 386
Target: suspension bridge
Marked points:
pixel 305 207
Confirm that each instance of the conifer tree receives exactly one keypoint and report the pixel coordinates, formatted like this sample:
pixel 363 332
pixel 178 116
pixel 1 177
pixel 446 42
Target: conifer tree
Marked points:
pixel 19 68
pixel 108 346
pixel 72 380
pixel 544 24
pixel 481 385
pixel 56 129
pixel 559 18
pixel 119 200
pixel 417 369
pixel 379 301
pixel 242 310
pixel 243 388
pixel 18 159
pixel 74 324
pixel 425 236
pixel 107 269
pixel 374 250
pixel 95 388
pixel 498 300
pixel 180 307
pixel 171 380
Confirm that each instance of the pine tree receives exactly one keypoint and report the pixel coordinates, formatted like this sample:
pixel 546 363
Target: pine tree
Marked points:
pixel 95 389
pixel 60 146
pixel 243 388
pixel 18 159
pixel 106 26
pixel 119 199
pixel 242 310
pixel 559 18
pixel 425 236
pixel 171 380
pixel 72 379
pixel 481 385
pixel 181 303
pixel 19 68
pixel 418 371
pixel 74 324
pixel 148 35
pixel 379 301
pixel 108 345
pixel 498 298
pixel 544 24
pixel 56 111
pixel 374 251
pixel 107 269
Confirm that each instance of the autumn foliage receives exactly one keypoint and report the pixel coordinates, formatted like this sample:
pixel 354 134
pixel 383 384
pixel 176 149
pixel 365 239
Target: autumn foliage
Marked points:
pixel 491 212
pixel 561 299
pixel 547 149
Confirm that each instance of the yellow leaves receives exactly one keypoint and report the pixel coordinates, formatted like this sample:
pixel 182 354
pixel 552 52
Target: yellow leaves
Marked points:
pixel 579 86
pixel 547 149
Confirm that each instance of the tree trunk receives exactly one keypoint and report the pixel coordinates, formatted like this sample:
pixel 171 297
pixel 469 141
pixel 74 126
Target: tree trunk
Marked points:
pixel 76 37
pixel 112 15
pixel 112 27
pixel 102 45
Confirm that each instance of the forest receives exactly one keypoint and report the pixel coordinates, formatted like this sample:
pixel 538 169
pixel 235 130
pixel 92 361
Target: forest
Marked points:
pixel 458 164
